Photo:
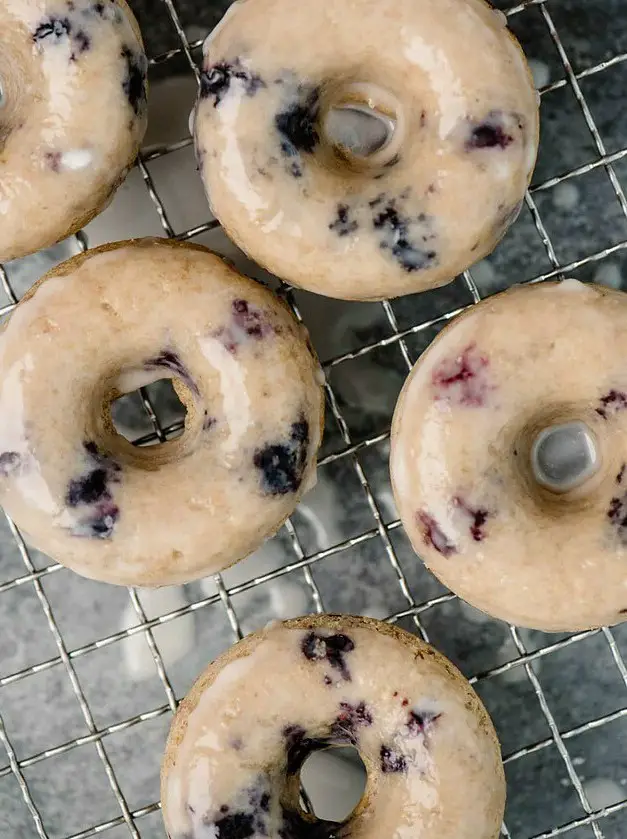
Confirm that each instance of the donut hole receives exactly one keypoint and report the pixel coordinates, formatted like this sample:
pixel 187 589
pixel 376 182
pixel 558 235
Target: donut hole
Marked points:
pixel 333 781
pixel 362 125
pixel 132 413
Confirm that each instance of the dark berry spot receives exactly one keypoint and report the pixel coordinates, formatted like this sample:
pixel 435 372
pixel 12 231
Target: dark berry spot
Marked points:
pixel 298 747
pixel 349 720
pixel 54 28
pixel 621 474
pixel 81 43
pixel 392 761
pixel 53 160
pixel 342 224
pixel 330 648
pixel 235 826
pixel 282 465
pixel 463 380
pixel 216 81
pixel 477 515
pixel 297 127
pixel 88 489
pixel 613 402
pixel 419 722
pixel 99 522
pixel 169 360
pixel 9 462
pixel 134 81
pixel 617 515
pixel 395 235
pixel 433 534
pixel 490 133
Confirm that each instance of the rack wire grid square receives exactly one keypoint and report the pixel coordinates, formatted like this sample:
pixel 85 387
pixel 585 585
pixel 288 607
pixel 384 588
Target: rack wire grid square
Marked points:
pixel 81 736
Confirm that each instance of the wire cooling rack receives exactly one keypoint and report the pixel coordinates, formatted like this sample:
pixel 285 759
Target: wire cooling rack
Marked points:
pixel 584 817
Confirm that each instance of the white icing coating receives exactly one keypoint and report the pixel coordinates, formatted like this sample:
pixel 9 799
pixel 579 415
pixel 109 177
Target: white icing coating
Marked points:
pixel 548 557
pixel 434 199
pixel 105 508
pixel 432 758
pixel 74 112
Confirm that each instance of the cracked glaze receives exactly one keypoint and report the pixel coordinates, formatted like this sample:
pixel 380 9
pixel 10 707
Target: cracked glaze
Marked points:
pixel 241 365
pixel 461 458
pixel 410 217
pixel 73 112
pixel 248 724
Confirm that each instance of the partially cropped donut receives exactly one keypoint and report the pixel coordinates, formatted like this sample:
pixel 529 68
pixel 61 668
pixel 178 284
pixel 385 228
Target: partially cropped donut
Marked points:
pixel 72 115
pixel 367 149
pixel 108 322
pixel 239 739
pixel 509 456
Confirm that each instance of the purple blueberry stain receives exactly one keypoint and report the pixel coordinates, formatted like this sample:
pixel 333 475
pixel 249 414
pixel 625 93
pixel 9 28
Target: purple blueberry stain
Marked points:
pixel 343 224
pixel 217 81
pixel 617 515
pixel 421 722
pixel 281 465
pixel 612 403
pixel 134 79
pixel 463 380
pixel 56 30
pixel 477 516
pixel 170 360
pixel 621 474
pixel 392 761
pixel 333 649
pixel 10 462
pixel 491 132
pixel 248 322
pixel 433 534
pixel 408 241
pixel 297 127
pixel 90 494
pixel 239 825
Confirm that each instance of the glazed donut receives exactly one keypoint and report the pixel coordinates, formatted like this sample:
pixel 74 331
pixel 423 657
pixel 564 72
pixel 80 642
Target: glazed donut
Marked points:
pixel 72 115
pixel 238 741
pixel 365 150
pixel 119 317
pixel 509 453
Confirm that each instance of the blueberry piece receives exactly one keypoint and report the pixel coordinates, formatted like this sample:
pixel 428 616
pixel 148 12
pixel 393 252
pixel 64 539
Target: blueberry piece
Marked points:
pixel 100 521
pixel 217 80
pixel 342 225
pixel 134 82
pixel 463 380
pixel 490 133
pixel 9 462
pixel 297 125
pixel 55 28
pixel 282 464
pixel 235 826
pixel 613 402
pixel 419 722
pixel 619 477
pixel 477 515
pixel 88 489
pixel 394 230
pixel 171 361
pixel 392 761
pixel 330 648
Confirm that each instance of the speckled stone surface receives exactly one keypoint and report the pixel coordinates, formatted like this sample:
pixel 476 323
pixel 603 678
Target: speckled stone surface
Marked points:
pixel 580 680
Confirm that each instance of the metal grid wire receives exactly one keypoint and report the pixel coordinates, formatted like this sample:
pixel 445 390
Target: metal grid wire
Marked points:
pixel 350 452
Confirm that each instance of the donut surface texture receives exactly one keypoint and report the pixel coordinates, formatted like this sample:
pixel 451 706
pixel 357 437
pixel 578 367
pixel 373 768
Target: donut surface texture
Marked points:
pixel 239 739
pixel 539 359
pixel 122 316
pixel 279 120
pixel 72 115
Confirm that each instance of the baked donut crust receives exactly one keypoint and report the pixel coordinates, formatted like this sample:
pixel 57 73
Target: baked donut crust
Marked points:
pixel 241 734
pixel 109 321
pixel 449 81
pixel 466 425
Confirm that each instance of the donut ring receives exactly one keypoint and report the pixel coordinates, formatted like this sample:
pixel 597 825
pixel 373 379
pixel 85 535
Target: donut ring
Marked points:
pixel 509 453
pixel 121 316
pixel 72 115
pixel 365 153
pixel 239 739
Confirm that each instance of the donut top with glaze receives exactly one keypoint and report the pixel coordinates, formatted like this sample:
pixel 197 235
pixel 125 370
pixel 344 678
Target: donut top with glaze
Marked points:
pixel 545 356
pixel 72 112
pixel 436 199
pixel 242 734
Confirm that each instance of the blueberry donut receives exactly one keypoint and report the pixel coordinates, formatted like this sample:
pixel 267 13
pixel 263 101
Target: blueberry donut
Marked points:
pixel 122 316
pixel 239 739
pixel 365 150
pixel 509 456
pixel 72 115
